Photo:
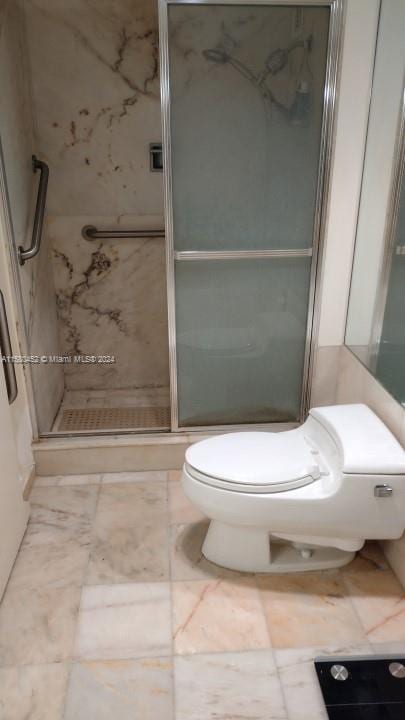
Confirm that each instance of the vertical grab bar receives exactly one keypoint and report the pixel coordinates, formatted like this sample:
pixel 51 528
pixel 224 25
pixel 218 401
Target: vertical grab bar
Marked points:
pixel 6 353
pixel 24 255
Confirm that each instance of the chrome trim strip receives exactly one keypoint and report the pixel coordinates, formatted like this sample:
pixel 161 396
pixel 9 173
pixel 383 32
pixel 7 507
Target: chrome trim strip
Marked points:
pixel 191 255
pixel 398 177
pixel 210 430
pixel 325 3
pixel 7 352
pixel 322 197
pixel 167 176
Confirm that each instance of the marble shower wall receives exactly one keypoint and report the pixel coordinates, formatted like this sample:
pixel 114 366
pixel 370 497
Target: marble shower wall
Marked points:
pixel 94 66
pixel 111 301
pixel 18 144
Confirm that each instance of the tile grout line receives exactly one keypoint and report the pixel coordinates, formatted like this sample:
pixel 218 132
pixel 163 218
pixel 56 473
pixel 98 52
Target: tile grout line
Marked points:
pixel 69 668
pixel 353 607
pixel 85 571
pixel 171 603
pixel 271 644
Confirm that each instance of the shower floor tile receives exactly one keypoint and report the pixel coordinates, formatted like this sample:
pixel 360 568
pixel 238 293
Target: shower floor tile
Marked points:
pixel 112 612
pixel 94 419
pixel 99 410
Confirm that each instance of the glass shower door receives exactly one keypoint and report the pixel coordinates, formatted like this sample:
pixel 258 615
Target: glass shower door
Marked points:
pixel 243 96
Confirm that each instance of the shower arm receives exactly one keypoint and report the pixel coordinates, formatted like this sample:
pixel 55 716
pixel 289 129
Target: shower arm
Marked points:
pixel 259 82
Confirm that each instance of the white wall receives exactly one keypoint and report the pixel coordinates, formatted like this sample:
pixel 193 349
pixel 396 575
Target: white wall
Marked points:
pixel 354 90
pixel 359 40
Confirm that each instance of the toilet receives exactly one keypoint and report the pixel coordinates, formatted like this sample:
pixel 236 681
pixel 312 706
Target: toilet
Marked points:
pixel 303 499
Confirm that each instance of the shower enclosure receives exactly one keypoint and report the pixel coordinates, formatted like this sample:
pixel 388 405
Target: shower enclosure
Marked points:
pixel 202 278
pixel 247 94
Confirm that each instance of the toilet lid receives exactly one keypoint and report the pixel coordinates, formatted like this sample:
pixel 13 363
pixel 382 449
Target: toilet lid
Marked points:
pixel 254 461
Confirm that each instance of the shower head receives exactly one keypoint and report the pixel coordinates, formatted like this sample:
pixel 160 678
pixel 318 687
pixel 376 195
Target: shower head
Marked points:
pixel 277 59
pixel 216 55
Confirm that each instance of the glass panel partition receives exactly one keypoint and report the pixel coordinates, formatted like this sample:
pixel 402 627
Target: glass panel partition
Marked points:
pixel 375 329
pixel 246 84
pixel 390 359
pixel 241 339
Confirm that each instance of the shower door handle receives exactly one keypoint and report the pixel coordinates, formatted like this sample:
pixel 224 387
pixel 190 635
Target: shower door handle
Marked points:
pixel 6 352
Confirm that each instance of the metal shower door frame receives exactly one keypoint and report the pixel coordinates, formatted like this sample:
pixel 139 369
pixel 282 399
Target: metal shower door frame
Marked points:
pixel 322 193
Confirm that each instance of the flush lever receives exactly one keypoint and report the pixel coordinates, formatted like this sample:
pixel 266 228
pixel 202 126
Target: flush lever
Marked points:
pixel 383 490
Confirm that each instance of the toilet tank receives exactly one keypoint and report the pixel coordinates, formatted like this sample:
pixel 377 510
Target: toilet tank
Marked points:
pixel 361 443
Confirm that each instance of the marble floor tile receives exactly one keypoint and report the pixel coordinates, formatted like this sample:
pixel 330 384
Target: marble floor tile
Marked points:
pixel 217 616
pixel 303 697
pixel 379 600
pixel 39 626
pixel 124 621
pixel 308 609
pixel 187 560
pixel 121 689
pixel 58 564
pixel 228 686
pixel 66 480
pixel 181 510
pixel 126 504
pixel 60 513
pixel 129 554
pixel 131 477
pixel 33 692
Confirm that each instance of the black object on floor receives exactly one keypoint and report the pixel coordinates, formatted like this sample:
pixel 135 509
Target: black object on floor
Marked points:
pixel 370 687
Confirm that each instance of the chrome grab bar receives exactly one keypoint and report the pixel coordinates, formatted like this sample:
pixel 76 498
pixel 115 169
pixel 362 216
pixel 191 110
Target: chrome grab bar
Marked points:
pixel 90 232
pixel 24 255
pixel 7 352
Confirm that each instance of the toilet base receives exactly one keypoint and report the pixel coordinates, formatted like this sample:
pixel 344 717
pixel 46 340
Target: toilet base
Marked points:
pixel 251 550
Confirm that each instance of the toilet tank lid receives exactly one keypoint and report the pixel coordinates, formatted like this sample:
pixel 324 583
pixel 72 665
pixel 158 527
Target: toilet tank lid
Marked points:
pixel 366 445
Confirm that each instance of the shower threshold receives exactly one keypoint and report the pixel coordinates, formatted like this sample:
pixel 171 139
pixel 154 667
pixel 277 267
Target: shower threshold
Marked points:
pixel 94 412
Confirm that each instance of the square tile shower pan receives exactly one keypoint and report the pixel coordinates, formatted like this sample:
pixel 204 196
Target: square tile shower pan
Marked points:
pixel 117 418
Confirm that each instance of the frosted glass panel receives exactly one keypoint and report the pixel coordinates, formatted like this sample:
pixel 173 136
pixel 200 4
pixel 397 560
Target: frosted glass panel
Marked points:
pixel 246 110
pixel 241 328
pixel 247 92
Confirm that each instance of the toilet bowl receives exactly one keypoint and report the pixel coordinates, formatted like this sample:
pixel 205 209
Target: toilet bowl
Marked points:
pixel 304 499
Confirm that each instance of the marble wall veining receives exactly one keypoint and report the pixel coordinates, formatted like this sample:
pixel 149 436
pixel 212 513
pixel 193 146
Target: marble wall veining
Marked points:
pixel 111 301
pixel 96 98
pixel 96 95
pixel 18 145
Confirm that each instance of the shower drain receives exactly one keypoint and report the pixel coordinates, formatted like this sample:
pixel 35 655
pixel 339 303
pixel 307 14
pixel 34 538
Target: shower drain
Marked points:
pixel 92 419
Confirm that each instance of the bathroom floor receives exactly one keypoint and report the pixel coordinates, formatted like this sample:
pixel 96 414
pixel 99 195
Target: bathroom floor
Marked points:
pixel 111 612
pixel 98 410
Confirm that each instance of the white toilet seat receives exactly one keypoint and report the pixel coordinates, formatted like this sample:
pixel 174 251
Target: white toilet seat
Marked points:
pixel 254 462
